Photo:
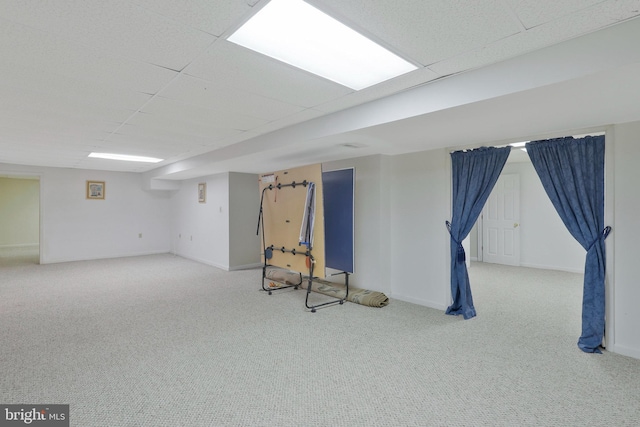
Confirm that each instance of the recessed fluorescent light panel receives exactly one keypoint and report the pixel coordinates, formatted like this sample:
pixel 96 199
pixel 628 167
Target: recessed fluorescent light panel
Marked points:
pixel 125 157
pixel 297 33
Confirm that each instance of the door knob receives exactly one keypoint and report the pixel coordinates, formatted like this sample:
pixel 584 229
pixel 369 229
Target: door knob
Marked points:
pixel 516 225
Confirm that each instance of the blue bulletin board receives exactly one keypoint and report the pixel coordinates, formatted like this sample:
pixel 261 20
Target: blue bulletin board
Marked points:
pixel 338 195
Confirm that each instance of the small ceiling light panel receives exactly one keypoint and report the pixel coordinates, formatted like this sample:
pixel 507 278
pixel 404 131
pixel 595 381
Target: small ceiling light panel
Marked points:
pixel 518 144
pixel 298 34
pixel 125 157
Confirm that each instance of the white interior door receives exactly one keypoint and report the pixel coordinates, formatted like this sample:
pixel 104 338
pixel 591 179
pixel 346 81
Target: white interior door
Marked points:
pixel 501 222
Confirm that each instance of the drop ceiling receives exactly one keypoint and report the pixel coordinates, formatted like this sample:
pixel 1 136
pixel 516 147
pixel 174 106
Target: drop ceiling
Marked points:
pixel 157 78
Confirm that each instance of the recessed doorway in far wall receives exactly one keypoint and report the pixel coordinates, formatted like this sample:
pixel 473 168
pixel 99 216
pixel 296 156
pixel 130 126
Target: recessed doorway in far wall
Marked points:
pixel 520 228
pixel 520 209
pixel 527 233
pixel 19 219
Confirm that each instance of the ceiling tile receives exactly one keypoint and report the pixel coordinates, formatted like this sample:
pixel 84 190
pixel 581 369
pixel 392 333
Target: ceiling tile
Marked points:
pixel 427 31
pixel 53 131
pixel 145 145
pixel 61 145
pixel 568 27
pixel 219 96
pixel 255 73
pixel 117 27
pixel 31 49
pixel 213 17
pixel 33 80
pixel 33 104
pixel 66 157
pixel 535 12
pixel 47 108
pixel 170 110
pixel 609 13
pixel 300 117
pixel 157 128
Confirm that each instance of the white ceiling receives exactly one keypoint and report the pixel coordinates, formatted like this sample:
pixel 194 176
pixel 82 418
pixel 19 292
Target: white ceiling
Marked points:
pixel 157 78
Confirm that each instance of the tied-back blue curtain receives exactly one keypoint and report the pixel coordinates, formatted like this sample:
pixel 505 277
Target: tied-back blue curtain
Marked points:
pixel 474 174
pixel 572 174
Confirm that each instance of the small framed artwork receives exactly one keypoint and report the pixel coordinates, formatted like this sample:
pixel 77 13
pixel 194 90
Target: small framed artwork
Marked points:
pixel 202 192
pixel 95 190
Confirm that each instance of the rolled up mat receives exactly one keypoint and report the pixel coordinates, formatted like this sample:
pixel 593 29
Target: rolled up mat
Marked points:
pixel 336 290
pixel 356 295
pixel 284 277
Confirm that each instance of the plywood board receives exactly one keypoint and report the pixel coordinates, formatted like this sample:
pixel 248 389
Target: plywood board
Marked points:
pixel 283 210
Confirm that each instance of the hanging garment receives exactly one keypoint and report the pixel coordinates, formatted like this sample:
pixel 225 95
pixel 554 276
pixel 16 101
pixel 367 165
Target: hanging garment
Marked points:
pixel 308 217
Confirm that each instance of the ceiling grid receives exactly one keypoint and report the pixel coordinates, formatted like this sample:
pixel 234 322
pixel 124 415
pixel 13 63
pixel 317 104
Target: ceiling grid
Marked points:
pixel 158 78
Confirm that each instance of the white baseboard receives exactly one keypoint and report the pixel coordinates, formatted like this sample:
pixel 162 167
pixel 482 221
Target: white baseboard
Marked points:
pixel 419 301
pixel 246 266
pixel 20 245
pixel 549 267
pixel 220 266
pixel 204 261
pixel 20 248
pixel 624 351
pixel 48 260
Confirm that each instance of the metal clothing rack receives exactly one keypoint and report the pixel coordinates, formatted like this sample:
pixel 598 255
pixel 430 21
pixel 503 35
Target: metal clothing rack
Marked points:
pixel 268 254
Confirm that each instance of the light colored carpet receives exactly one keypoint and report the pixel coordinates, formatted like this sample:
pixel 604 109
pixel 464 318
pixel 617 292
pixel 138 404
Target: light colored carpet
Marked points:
pixel 164 341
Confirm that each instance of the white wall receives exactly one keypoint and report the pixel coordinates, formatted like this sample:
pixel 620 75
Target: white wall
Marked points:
pixel 74 228
pixel 19 212
pixel 401 204
pixel 420 203
pixel 401 243
pixel 372 221
pixel 244 207
pixel 222 231
pixel 625 237
pixel 200 231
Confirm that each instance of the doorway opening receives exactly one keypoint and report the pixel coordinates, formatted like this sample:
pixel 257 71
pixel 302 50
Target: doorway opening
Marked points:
pixel 19 220
pixel 524 256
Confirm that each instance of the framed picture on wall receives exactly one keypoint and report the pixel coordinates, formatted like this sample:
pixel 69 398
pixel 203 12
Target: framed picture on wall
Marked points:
pixel 95 190
pixel 202 192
